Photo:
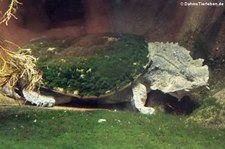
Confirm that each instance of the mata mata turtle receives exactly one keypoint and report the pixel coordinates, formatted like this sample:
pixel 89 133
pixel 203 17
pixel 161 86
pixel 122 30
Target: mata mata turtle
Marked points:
pixel 114 68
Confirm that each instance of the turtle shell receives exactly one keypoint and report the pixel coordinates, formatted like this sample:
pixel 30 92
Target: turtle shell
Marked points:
pixel 90 65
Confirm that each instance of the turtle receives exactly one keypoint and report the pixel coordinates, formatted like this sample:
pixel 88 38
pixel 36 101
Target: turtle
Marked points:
pixel 113 67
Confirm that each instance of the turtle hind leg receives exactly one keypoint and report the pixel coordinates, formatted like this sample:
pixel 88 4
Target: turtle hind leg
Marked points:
pixel 139 99
pixel 38 99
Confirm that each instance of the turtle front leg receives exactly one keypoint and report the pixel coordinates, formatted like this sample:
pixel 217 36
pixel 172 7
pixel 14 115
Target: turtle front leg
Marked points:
pixel 139 99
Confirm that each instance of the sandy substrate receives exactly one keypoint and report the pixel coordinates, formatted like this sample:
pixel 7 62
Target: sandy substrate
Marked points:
pixel 10 102
pixel 73 108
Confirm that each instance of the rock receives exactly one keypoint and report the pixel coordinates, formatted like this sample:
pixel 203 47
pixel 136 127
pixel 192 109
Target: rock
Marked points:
pixel 102 120
pixel 220 96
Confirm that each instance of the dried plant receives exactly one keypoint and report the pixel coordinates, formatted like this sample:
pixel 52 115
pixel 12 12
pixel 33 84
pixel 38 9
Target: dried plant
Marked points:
pixel 16 68
pixel 10 12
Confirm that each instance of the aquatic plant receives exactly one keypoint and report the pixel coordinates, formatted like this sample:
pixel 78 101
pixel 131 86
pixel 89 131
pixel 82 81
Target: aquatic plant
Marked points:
pixel 115 63
pixel 209 114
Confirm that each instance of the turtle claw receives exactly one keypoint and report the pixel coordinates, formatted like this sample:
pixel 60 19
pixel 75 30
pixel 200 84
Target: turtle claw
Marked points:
pixel 38 99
